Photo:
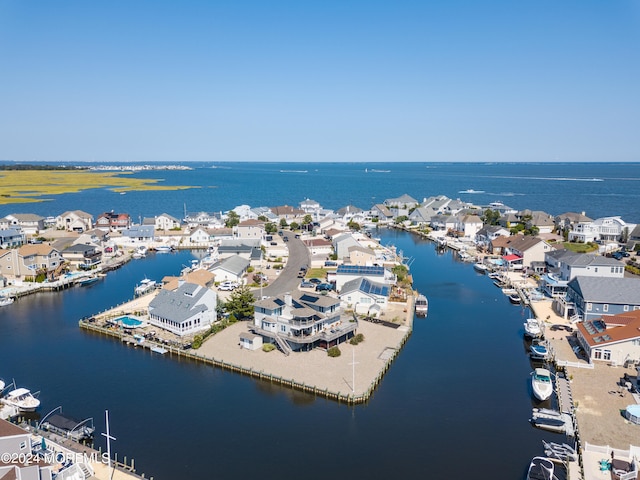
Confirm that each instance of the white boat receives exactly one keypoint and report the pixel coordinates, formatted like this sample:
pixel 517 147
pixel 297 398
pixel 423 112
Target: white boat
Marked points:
pixel 2 384
pixel 540 468
pixel 164 249
pixel 495 275
pixel 480 267
pixel 139 252
pixel 4 301
pixel 541 383
pixel 515 298
pixel 422 306
pixel 539 351
pixel 532 328
pixel 145 286
pixel 471 190
pixel 22 399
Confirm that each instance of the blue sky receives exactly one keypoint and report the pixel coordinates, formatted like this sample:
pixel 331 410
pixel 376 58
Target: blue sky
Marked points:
pixel 348 80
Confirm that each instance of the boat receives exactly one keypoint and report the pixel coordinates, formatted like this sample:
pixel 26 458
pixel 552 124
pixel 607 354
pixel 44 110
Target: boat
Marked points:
pixel 88 281
pixel 22 399
pixel 515 298
pixel 164 249
pixel 4 301
pixel 158 349
pixel 139 252
pixel 480 267
pixel 68 427
pixel 553 421
pixel 541 383
pixel 540 468
pixel 539 351
pixel 495 275
pixel 145 286
pixel 471 190
pixel 422 306
pixel 532 328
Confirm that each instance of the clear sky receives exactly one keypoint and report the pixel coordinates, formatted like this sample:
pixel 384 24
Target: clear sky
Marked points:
pixel 345 80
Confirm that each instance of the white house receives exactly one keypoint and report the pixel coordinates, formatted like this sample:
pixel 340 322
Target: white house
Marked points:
pixel 365 297
pixel 469 225
pixel 74 221
pixel 250 229
pixel 568 265
pixel 613 339
pixel 347 273
pixel 601 229
pixel 165 221
pixel 187 310
pixel 230 269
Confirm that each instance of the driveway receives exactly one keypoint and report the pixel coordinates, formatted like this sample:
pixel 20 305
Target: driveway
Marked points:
pixel 288 280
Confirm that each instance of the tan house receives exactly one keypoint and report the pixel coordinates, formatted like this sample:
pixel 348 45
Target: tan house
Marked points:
pixel 361 256
pixel 201 277
pixel 29 261
pixel 74 221
pixel 250 229
pixel 614 339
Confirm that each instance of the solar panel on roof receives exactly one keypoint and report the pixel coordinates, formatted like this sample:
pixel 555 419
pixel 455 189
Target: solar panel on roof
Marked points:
pixel 360 270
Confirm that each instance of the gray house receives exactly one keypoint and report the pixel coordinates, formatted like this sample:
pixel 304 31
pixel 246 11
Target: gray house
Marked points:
pixel 141 233
pixel 10 237
pixel 230 268
pixel 593 297
pixel 184 311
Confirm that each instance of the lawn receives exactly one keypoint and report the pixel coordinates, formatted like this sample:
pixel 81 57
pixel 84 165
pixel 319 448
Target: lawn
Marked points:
pixel 581 247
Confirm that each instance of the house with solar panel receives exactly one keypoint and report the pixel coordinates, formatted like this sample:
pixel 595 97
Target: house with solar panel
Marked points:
pixel 347 273
pixel 589 298
pixel 365 297
pixel 614 339
pixel 302 321
pixel 187 310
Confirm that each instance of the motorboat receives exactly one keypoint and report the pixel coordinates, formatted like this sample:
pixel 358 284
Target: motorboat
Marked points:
pixel 88 281
pixel 4 301
pixel 553 421
pixel 480 267
pixel 68 427
pixel 539 351
pixel 541 383
pixel 540 468
pixel 532 328
pixel 164 249
pixel 145 286
pixel 515 298
pixel 495 275
pixel 22 399
pixel 422 306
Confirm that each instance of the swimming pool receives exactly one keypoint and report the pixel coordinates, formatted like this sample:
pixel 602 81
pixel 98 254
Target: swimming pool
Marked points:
pixel 129 322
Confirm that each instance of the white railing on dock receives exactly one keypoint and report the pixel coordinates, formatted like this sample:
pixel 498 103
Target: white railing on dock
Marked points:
pixel 566 363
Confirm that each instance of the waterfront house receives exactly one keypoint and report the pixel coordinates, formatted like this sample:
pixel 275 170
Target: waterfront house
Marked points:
pixel 403 202
pixel 634 238
pixel 375 274
pixel 382 213
pixel 200 276
pixel 527 248
pixel 319 247
pixel 468 225
pixel 230 269
pixel 139 233
pixel 605 229
pixel 341 244
pixel 264 212
pixel 301 321
pixel 351 213
pixel 359 255
pixel 542 221
pixel 184 311
pixel 443 223
pixel 509 220
pixel 421 216
pixel 111 221
pixel 565 222
pixel 614 339
pixel 29 261
pixel 437 205
pixel 164 221
pixel 204 219
pixel 29 223
pixel 11 238
pixel 287 212
pixel 592 297
pixel 365 297
pixel 311 207
pixel 82 256
pixel 568 265
pixel 245 248
pixel 498 245
pixel 16 443
pixel 488 233
pixel 74 221
pixel 250 229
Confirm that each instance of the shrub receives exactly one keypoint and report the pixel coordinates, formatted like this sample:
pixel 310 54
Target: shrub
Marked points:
pixel 197 342
pixel 250 269
pixel 357 339
pixel 268 347
pixel 334 352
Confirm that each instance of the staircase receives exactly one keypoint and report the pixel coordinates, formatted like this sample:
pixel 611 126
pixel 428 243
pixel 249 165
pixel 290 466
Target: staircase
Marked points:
pixel 86 471
pixel 284 346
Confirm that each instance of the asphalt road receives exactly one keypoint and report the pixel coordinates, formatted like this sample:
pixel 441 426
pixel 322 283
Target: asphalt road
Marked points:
pixel 288 280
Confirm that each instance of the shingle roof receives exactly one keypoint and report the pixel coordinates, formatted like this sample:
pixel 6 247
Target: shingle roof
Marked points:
pixel 179 305
pixel 617 291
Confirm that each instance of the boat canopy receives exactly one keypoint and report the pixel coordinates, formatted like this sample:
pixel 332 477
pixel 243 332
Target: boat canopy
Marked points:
pixel 18 392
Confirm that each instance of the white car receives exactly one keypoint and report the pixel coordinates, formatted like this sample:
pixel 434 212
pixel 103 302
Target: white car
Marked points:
pixel 227 286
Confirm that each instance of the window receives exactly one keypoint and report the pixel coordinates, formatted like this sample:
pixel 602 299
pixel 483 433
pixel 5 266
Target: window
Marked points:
pixel 597 354
pixel 589 307
pixel 605 307
pixel 625 308
pixel 23 445
pixel 606 355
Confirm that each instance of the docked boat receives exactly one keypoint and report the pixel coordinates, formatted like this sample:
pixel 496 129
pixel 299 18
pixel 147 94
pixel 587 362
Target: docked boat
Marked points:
pixel 539 351
pixel 422 306
pixel 164 249
pixel 541 383
pixel 76 430
pixel 515 298
pixel 553 421
pixel 495 275
pixel 88 281
pixel 540 468
pixel 4 301
pixel 140 252
pixel 532 328
pixel 480 267
pixel 22 399
pixel 145 286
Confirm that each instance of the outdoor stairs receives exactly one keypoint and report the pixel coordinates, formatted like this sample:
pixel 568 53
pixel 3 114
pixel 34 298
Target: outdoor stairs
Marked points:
pixel 85 470
pixel 284 346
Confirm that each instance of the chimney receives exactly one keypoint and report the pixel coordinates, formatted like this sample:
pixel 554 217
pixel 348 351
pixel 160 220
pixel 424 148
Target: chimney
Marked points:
pixel 287 299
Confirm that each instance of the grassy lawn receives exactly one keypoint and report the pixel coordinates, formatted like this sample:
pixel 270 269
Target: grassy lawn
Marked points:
pixel 23 186
pixel 581 247
pixel 320 273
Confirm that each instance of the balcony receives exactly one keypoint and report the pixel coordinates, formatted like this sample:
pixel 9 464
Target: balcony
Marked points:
pixel 327 335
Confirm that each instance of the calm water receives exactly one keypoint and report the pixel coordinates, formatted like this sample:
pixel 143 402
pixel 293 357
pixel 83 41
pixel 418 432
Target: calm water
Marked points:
pixel 456 398
pixel 600 189
pixel 457 395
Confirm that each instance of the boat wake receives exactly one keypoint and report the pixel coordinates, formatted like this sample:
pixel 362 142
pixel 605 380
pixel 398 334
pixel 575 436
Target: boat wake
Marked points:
pixel 551 179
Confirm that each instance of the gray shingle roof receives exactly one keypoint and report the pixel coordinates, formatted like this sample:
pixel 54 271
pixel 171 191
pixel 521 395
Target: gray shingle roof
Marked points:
pixel 620 291
pixel 179 305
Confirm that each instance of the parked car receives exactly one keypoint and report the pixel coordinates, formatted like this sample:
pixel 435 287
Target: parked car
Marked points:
pixel 317 281
pixel 324 287
pixel 617 255
pixel 227 286
pixel 307 285
pixel 330 263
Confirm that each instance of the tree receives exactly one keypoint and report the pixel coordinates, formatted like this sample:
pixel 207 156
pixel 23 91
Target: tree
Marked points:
pixel 294 226
pixel 233 219
pixel 491 217
pixel 400 271
pixel 283 223
pixel 307 219
pixel 240 303
pixel 270 227
pixel 262 218
pixel 401 218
